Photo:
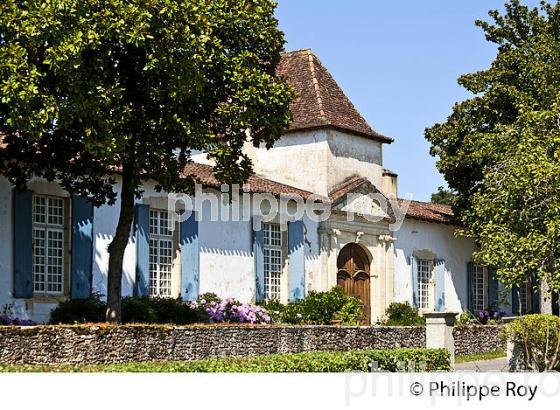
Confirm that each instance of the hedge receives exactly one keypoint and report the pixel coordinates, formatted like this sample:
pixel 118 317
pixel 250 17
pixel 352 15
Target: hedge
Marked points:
pixel 417 360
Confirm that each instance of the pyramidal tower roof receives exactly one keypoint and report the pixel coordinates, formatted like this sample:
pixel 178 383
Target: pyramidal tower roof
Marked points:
pixel 320 102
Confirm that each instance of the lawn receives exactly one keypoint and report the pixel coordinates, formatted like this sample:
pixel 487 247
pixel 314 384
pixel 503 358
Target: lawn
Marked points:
pixel 480 356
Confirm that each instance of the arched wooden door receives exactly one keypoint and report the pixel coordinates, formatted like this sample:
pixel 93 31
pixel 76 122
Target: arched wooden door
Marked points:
pixel 354 276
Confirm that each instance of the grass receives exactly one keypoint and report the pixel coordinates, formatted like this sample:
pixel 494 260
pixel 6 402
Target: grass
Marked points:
pixel 480 356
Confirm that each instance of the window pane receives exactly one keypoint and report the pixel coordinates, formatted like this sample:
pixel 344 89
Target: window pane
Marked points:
pixel 48 244
pixel 425 267
pixel 39 260
pixel 478 288
pixel 161 254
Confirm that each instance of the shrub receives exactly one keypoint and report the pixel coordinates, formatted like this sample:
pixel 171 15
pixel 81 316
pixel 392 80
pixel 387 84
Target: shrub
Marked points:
pixel 14 321
pixel 351 312
pixel 402 314
pixel 318 308
pixel 138 310
pixel 387 360
pixel 489 316
pixel 466 318
pixel 134 310
pixel 229 310
pixel 538 337
pixel 275 310
pixel 325 362
pixel 74 311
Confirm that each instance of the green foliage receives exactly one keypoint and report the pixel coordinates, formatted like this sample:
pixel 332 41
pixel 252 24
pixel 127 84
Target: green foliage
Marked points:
pixel 465 358
pixel 351 312
pixel 443 196
pixel 500 150
pixel 91 87
pixel 318 308
pixel 402 314
pixel 539 339
pixel 467 318
pixel 74 311
pixel 158 310
pixel 135 310
pixel 87 81
pixel 332 362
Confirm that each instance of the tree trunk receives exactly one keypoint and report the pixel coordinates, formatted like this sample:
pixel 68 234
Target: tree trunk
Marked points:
pixel 117 248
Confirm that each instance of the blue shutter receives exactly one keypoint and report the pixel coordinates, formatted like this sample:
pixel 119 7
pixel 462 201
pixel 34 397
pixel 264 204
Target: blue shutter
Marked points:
pixel 414 280
pixel 535 293
pixel 470 295
pixel 142 237
pixel 515 300
pixel 82 248
pixel 439 273
pixel 492 288
pixel 258 255
pixel 190 258
pixel 23 243
pixel 296 261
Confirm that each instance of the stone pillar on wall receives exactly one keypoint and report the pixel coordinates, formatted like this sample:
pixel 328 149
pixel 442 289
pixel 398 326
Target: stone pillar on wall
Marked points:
pixel 439 332
pixel 388 241
pixel 333 256
pixel 324 251
pixel 546 298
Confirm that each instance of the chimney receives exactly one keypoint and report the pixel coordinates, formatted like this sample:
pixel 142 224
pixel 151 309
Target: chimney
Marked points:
pixel 390 183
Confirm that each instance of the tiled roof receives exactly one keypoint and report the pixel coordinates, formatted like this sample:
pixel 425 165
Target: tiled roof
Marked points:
pixel 346 187
pixel 204 174
pixel 321 102
pixel 429 212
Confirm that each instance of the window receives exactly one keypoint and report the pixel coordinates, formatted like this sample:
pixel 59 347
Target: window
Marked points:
pixel 479 287
pixel 161 254
pixel 49 246
pixel 425 267
pixel 272 261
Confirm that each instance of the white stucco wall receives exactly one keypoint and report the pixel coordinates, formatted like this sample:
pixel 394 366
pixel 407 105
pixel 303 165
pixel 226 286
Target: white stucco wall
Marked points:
pixel 319 160
pixel 299 159
pixel 226 254
pixel 439 239
pixel 351 155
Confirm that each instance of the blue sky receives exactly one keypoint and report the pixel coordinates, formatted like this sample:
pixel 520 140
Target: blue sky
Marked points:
pixel 398 62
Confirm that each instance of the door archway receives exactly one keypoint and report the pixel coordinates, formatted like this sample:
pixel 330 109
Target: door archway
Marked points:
pixel 353 276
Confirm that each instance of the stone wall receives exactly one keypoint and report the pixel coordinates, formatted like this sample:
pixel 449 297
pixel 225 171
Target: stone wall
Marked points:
pixel 121 344
pixel 477 339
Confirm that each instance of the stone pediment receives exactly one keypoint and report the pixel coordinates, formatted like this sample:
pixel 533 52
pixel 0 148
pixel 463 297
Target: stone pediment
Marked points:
pixel 359 196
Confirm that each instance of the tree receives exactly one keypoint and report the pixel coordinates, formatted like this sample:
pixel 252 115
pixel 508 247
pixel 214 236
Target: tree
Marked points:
pixel 443 196
pixel 500 149
pixel 100 95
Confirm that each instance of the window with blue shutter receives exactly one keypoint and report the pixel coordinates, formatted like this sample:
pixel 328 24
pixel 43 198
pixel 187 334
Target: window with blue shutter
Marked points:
pixel 414 280
pixel 470 295
pixel 439 273
pixel 258 255
pixel 190 258
pixel 23 244
pixel 82 248
pixel 296 260
pixel 142 238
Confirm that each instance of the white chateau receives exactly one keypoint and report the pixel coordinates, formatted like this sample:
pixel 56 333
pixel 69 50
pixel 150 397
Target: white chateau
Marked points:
pixel 54 246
